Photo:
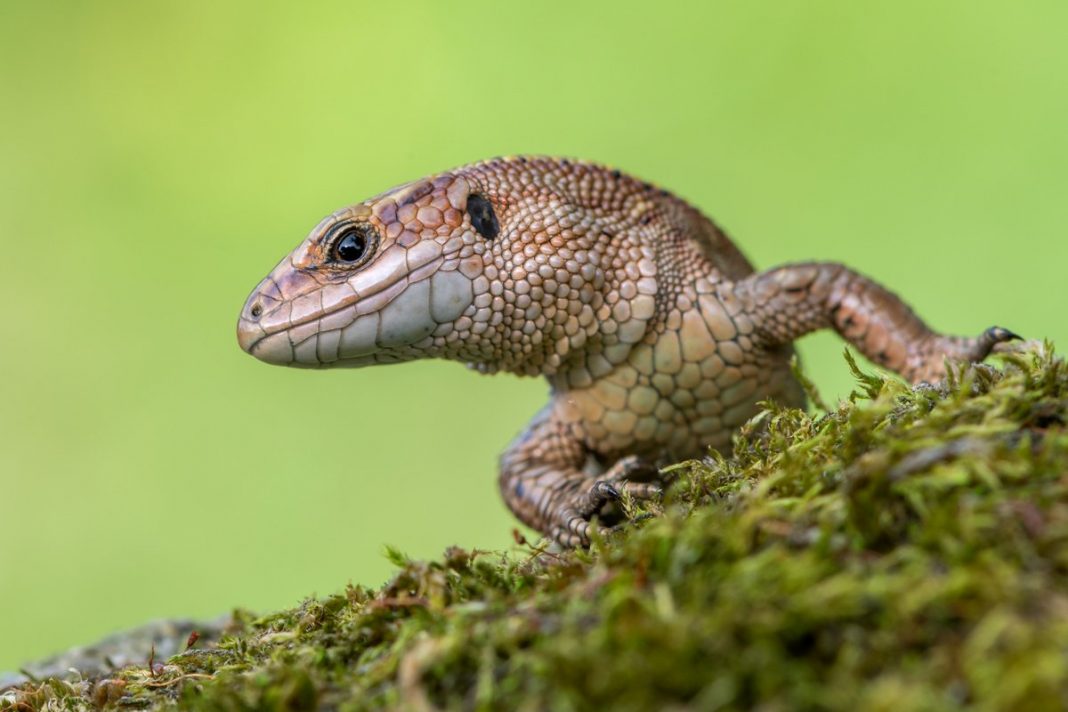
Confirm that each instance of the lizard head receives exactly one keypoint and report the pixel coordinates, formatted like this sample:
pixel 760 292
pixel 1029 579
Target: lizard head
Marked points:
pixel 373 282
pixel 528 265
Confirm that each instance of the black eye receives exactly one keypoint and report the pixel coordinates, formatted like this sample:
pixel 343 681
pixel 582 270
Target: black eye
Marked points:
pixel 354 243
pixel 351 247
pixel 483 218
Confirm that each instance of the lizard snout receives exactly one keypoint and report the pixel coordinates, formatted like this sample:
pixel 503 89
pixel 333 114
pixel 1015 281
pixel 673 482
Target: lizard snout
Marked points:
pixel 248 331
pixel 253 326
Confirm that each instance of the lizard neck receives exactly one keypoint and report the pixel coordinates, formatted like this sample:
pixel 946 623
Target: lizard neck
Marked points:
pixel 610 282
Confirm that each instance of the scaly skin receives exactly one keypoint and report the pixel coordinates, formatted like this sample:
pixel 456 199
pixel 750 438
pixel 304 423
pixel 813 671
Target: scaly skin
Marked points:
pixel 656 335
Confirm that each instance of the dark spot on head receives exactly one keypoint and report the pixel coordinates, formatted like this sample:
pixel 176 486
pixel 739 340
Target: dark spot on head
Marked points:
pixel 647 186
pixel 483 218
pixel 256 310
pixel 415 192
pixel 564 162
pixel 616 174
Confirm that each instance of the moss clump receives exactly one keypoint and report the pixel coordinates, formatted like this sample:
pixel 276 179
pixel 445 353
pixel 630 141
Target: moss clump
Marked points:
pixel 907 550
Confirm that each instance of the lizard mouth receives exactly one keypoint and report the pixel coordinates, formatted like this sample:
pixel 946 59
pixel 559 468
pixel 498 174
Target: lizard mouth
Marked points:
pixel 277 336
pixel 279 319
pixel 356 328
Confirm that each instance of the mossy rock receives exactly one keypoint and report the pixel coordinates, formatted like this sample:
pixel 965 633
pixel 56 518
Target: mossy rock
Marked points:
pixel 905 550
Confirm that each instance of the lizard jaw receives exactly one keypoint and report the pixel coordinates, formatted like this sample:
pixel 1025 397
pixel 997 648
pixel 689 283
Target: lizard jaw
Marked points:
pixel 376 329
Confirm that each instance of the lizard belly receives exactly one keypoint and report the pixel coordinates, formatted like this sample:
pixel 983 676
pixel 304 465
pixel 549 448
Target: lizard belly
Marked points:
pixel 688 386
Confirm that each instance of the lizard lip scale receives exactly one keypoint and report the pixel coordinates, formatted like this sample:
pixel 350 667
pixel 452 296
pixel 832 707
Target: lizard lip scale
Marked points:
pixel 399 315
pixel 656 334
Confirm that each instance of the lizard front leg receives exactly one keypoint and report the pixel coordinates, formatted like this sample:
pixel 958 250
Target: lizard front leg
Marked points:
pixel 788 302
pixel 544 483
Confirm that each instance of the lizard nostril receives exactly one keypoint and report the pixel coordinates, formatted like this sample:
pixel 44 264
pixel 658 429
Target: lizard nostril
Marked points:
pixel 256 310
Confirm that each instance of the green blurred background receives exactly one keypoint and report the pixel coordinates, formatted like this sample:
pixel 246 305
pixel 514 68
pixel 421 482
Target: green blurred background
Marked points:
pixel 157 159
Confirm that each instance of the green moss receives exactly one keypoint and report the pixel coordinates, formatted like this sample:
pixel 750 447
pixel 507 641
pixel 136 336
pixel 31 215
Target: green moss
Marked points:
pixel 906 550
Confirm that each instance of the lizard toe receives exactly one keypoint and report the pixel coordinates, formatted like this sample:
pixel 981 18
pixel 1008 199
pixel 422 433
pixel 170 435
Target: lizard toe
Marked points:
pixel 629 467
pixel 572 530
pixel 642 490
pixel 601 493
pixel 990 338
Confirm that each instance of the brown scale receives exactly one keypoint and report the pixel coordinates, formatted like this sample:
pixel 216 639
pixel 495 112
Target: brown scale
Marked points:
pixel 654 331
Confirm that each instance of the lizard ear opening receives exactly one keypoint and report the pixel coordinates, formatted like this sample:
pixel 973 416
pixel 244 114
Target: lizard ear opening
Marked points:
pixel 483 219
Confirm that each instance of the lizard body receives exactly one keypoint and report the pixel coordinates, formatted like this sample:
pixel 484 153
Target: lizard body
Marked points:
pixel 655 333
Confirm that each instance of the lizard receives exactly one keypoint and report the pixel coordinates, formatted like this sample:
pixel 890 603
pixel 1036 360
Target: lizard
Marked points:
pixel 657 336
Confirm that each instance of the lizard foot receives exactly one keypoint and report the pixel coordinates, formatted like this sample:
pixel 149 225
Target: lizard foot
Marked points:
pixel 928 363
pixel 572 527
pixel 988 342
pixel 622 476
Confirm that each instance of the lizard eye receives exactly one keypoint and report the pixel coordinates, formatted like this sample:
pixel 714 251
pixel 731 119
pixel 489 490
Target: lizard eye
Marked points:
pixel 483 219
pixel 353 244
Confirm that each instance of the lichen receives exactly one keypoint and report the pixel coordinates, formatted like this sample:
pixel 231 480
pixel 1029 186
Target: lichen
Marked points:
pixel 907 549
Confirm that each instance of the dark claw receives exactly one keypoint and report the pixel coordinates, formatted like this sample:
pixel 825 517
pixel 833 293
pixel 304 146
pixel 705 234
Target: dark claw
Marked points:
pixel 998 334
pixel 597 496
pixel 982 346
pixel 605 491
